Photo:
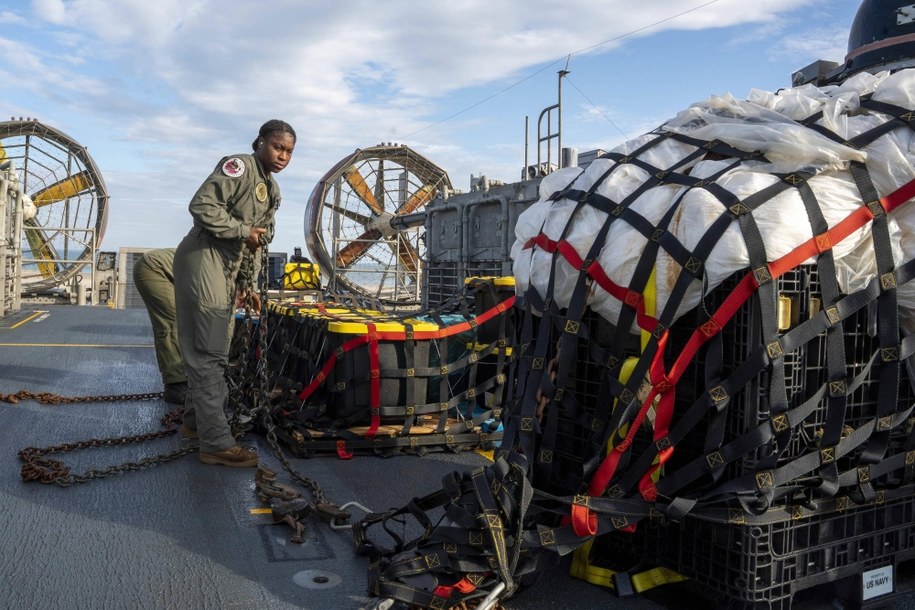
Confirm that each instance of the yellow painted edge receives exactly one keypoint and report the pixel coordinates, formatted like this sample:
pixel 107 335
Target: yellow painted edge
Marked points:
pixel 356 328
pixel 31 317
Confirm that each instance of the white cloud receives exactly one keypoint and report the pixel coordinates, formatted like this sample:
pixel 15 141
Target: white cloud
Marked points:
pixel 8 17
pixel 53 11
pixel 816 43
pixel 322 54
pixel 28 68
pixel 131 22
pixel 169 86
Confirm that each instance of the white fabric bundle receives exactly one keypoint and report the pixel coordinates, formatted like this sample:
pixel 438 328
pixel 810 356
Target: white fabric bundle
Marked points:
pixel 768 123
pixel 29 209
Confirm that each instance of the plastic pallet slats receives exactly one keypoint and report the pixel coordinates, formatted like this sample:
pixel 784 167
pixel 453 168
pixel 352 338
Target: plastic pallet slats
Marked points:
pixel 767 565
pixel 804 369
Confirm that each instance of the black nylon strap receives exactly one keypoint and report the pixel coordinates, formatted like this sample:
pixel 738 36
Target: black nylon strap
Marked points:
pixel 887 322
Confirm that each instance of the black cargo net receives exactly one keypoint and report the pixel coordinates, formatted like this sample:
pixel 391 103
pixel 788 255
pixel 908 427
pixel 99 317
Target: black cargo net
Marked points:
pixel 778 396
pixel 346 380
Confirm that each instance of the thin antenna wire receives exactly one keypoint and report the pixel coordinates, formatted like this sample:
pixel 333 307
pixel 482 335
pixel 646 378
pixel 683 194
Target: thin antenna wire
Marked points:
pixel 644 27
pixel 596 107
pixel 550 65
pixel 482 101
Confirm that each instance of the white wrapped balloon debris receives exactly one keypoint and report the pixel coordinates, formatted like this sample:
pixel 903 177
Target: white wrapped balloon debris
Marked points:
pixel 725 295
pixel 806 131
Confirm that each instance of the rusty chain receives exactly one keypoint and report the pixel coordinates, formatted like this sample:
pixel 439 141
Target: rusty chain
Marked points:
pixel 260 394
pixel 37 467
pixel 49 398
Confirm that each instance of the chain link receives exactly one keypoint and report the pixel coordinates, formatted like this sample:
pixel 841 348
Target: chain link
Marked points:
pixel 37 468
pixel 256 387
pixel 48 398
pixel 253 387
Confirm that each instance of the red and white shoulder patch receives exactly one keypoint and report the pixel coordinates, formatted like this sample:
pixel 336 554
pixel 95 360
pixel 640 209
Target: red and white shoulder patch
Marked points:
pixel 234 167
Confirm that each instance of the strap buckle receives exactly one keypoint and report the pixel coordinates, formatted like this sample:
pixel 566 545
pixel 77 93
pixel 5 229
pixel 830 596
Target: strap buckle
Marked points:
pixel 622 584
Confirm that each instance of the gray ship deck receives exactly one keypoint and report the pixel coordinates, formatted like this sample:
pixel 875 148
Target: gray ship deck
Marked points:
pixel 182 534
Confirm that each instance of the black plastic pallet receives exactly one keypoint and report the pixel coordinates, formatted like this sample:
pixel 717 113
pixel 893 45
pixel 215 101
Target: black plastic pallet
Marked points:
pixel 771 566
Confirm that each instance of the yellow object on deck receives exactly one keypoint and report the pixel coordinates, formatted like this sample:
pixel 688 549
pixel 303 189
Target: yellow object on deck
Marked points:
pixel 301 276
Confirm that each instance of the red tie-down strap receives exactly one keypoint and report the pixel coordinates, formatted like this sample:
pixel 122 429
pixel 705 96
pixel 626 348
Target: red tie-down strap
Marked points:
pixel 584 522
pixel 597 273
pixel 423 335
pixel 664 384
pixel 374 382
pixel 607 468
pixel 463 586
pixel 372 337
pixel 329 365
pixel 342 452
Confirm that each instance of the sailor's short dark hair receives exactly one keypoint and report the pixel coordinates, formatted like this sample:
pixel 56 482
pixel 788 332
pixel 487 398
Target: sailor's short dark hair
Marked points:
pixel 271 126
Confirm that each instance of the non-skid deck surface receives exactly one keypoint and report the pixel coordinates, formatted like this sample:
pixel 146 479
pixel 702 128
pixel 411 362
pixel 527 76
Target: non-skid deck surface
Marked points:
pixel 182 534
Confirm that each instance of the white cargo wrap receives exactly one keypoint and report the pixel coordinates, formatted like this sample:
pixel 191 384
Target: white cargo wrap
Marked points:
pixel 771 124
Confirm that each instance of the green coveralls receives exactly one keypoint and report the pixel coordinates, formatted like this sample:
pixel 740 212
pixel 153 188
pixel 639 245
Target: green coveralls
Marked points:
pixel 155 282
pixel 209 266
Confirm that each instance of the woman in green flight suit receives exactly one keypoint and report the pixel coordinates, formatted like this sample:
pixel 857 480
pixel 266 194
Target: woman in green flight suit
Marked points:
pixel 232 211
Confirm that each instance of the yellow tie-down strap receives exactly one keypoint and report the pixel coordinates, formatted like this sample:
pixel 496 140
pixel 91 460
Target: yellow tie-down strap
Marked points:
pixel 582 568
pixel 636 583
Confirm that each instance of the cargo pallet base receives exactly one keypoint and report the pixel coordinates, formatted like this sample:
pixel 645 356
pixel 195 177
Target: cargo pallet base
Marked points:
pixel 311 441
pixel 854 556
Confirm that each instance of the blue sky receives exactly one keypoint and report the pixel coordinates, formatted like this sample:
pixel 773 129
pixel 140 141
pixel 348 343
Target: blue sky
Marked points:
pixel 159 91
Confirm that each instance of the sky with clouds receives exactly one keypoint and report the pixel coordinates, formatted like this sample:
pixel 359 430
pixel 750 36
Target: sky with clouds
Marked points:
pixel 159 91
